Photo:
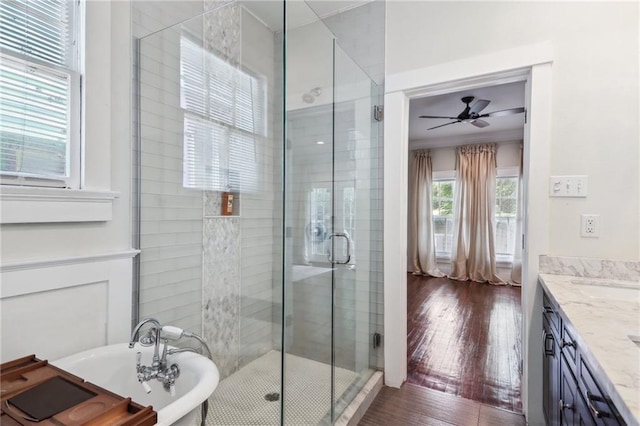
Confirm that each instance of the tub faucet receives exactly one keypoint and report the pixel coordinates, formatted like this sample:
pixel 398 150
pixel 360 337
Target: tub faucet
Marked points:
pixel 158 369
pixel 157 328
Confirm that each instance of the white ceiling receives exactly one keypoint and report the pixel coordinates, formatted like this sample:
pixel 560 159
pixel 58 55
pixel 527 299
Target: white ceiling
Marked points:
pixel 504 96
pixel 298 12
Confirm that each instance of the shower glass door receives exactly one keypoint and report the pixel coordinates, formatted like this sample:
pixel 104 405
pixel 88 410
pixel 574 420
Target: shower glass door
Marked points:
pixel 354 184
pixel 307 391
pixel 330 185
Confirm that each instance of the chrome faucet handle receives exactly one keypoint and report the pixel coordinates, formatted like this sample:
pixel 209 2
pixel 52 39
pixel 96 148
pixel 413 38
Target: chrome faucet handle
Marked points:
pixel 138 360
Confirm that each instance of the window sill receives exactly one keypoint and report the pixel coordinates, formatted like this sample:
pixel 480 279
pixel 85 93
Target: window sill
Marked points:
pixel 504 262
pixel 48 205
pixel 501 262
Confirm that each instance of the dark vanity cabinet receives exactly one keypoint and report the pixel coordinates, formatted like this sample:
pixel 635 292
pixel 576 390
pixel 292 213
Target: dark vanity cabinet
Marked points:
pixel 572 396
pixel 550 368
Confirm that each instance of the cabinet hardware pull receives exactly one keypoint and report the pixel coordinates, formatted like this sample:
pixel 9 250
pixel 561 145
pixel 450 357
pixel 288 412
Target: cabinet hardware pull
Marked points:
pixel 549 347
pixel 596 413
pixel 548 310
pixel 565 343
pixel 564 405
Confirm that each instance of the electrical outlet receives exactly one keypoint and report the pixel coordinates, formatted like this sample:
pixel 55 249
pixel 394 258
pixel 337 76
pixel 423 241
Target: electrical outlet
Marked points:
pixel 589 225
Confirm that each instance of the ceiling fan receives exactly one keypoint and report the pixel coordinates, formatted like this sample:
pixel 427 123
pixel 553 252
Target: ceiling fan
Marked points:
pixel 471 113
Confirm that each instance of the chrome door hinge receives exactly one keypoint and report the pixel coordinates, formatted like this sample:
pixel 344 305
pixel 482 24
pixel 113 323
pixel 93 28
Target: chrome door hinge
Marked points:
pixel 377 340
pixel 378 112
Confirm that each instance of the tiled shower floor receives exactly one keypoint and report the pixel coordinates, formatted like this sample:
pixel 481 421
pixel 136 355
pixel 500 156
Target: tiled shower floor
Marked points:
pixel 240 398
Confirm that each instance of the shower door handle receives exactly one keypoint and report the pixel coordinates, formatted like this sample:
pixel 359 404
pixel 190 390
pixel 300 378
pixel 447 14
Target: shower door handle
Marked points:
pixel 330 255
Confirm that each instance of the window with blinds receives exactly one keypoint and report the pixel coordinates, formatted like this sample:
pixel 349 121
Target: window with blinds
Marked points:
pixel 224 121
pixel 39 90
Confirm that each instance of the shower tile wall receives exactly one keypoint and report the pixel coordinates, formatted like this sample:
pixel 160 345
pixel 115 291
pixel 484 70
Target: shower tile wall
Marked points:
pixel 171 222
pixel 261 220
pixel 199 270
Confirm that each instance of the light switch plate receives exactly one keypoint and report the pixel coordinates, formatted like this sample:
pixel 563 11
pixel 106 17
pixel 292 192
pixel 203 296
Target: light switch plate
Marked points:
pixel 568 186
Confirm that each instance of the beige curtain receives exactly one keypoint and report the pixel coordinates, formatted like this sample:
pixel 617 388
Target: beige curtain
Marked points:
pixel 516 268
pixel 423 251
pixel 473 255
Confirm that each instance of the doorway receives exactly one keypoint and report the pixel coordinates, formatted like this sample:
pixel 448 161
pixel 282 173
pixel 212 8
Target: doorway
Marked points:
pixel 464 337
pixel 531 63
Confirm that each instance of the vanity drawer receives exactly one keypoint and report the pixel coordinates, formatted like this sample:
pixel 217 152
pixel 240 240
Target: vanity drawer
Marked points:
pixel 602 409
pixel 568 345
pixel 551 313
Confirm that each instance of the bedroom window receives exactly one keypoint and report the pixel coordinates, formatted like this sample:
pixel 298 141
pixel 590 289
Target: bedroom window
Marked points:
pixel 40 93
pixel 442 203
pixel 506 215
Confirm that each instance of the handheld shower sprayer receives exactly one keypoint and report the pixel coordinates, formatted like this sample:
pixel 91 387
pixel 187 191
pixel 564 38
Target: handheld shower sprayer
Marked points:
pixel 170 332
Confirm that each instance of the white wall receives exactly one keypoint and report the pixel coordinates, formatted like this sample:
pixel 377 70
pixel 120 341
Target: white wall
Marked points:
pixel 42 262
pixel 444 159
pixel 580 97
pixel 107 148
pixel 594 103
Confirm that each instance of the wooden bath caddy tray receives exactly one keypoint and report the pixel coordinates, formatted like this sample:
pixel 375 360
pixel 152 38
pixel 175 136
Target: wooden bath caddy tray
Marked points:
pixel 34 392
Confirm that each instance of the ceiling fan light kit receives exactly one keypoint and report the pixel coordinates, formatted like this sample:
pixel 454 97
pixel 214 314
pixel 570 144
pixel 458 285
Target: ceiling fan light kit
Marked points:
pixel 471 113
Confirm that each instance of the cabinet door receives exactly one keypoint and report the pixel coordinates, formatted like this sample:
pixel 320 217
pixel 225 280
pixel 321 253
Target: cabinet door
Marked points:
pixel 551 375
pixel 573 408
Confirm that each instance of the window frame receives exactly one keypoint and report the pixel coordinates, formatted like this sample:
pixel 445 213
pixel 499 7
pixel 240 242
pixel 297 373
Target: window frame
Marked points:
pixel 75 120
pixel 441 176
pixel 91 199
pixel 506 260
pixel 74 150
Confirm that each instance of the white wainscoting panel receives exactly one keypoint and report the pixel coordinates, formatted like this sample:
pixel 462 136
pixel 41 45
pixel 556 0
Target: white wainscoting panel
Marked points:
pixel 58 307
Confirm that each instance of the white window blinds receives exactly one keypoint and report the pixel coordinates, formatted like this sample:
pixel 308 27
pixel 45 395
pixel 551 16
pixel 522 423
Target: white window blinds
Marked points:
pixel 224 121
pixel 39 87
pixel 41 29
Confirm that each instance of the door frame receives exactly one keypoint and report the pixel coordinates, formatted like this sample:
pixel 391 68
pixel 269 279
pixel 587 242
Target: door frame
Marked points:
pixel 532 64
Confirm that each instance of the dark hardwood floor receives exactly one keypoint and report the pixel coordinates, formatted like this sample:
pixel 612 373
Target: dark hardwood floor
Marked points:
pixel 413 405
pixel 464 338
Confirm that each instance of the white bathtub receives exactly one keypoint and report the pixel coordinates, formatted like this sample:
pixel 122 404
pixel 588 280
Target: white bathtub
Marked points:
pixel 114 368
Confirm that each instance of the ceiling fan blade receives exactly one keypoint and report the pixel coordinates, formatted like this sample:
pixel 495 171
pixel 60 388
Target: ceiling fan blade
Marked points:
pixel 437 116
pixel 480 123
pixel 504 112
pixel 478 106
pixel 442 125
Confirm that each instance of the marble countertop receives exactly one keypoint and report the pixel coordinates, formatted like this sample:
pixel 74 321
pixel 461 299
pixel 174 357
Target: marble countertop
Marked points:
pixel 606 315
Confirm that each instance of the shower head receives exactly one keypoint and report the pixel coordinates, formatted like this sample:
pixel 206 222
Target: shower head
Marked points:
pixel 311 96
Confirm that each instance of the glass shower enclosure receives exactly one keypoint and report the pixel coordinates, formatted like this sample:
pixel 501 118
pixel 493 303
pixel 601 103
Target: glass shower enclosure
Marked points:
pixel 257 210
